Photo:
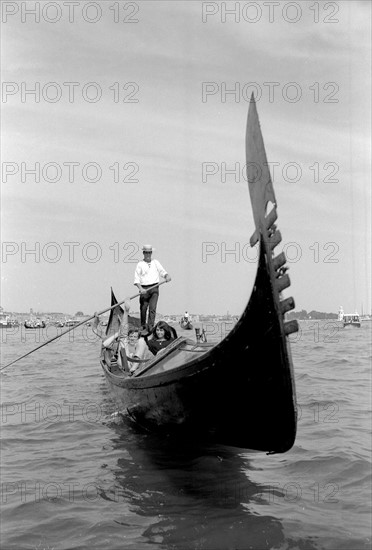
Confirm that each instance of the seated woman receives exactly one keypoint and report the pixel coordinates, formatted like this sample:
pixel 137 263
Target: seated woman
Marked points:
pixel 129 344
pixel 162 336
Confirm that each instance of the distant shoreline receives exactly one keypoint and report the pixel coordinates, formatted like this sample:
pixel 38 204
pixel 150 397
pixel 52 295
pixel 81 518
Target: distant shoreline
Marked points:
pixel 302 315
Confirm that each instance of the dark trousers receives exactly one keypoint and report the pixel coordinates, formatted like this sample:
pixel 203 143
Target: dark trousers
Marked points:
pixel 149 302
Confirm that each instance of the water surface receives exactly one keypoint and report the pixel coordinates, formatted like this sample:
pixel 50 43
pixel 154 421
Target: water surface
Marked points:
pixel 75 476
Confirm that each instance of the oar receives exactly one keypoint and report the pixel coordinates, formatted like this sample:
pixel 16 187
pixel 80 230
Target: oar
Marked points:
pixel 78 325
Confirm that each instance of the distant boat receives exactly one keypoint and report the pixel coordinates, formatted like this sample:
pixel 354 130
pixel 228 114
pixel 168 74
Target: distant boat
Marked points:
pixel 365 318
pixel 34 324
pixel 349 319
pixel 5 321
pixel 186 323
pixel 71 322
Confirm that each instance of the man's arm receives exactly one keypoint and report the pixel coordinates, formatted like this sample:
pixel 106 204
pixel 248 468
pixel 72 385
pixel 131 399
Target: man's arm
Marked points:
pixel 123 330
pixel 162 272
pixel 95 326
pixel 107 343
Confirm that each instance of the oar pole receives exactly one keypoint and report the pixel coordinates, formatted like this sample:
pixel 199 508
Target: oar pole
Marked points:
pixel 80 324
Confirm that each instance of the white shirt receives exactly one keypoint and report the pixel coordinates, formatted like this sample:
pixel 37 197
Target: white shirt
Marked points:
pixel 148 274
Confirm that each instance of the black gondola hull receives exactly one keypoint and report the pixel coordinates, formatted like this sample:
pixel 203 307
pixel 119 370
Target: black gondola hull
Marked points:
pixel 240 392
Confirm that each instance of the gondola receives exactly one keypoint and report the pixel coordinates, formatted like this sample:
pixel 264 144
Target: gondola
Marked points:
pixel 241 391
pixel 186 324
pixel 30 324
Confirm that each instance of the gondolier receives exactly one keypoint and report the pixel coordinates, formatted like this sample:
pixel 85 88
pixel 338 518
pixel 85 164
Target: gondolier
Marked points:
pixel 147 274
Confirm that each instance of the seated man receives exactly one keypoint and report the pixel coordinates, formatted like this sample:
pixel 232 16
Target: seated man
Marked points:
pixel 129 343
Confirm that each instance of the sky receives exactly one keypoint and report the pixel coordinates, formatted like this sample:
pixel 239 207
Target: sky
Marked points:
pixel 123 123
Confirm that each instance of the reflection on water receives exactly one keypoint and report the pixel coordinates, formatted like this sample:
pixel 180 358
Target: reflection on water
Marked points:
pixel 201 497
